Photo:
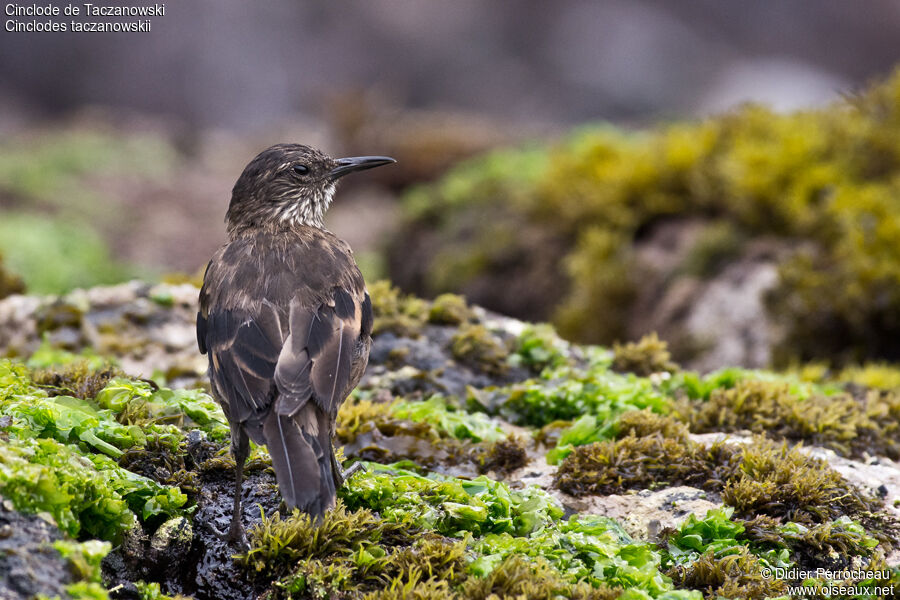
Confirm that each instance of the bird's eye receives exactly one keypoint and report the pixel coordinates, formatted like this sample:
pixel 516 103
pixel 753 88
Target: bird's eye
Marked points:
pixel 300 169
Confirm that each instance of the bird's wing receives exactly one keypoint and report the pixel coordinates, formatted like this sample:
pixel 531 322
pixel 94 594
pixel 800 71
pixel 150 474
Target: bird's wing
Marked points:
pixel 243 347
pixel 293 344
pixel 317 355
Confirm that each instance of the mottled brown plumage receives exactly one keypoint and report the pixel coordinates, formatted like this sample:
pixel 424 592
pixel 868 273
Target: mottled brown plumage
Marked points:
pixel 286 321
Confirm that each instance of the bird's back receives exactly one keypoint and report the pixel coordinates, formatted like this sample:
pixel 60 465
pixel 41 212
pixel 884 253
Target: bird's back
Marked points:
pixel 286 322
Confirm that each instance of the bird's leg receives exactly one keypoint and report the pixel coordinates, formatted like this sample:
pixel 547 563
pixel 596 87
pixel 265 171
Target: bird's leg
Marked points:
pixel 340 474
pixel 240 448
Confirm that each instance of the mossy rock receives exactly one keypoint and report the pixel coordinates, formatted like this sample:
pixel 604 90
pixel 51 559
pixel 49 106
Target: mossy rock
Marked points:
pixel 822 183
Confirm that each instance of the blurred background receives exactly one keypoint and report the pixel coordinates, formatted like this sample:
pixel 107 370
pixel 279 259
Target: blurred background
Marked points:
pixel 590 163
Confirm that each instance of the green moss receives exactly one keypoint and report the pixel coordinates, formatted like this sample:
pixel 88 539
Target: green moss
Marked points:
pixel 395 312
pixel 824 183
pixel 781 481
pixel 519 577
pixel 505 456
pixel 880 376
pixel 763 478
pixel 80 379
pixel 646 356
pixel 279 542
pixel 852 426
pixel 737 576
pixel 475 346
pixel 449 309
pixel 613 467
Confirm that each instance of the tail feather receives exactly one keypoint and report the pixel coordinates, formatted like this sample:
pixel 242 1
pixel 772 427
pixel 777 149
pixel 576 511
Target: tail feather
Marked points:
pixel 302 462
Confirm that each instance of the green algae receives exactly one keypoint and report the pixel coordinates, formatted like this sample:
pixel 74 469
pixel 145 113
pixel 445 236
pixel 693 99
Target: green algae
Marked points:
pixel 83 493
pixel 539 347
pixel 456 423
pixel 84 557
pixel 449 505
pixel 565 394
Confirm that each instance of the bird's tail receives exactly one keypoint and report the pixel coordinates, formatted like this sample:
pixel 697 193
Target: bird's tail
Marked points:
pixel 300 446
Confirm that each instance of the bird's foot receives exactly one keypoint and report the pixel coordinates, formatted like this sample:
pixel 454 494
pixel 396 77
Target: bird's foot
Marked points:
pixel 235 535
pixel 352 470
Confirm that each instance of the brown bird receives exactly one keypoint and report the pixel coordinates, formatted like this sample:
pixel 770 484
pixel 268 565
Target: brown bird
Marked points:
pixel 286 321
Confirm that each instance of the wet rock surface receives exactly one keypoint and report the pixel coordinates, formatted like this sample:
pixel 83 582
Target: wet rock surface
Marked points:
pixel 190 554
pixel 28 562
pixel 150 329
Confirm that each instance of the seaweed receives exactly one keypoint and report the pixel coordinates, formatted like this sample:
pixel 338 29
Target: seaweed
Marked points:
pixel 504 456
pixel 89 494
pixel 81 378
pixel 458 424
pixel 852 426
pixel 449 505
pixel 474 345
pixel 449 309
pixel 646 356
pixel 539 347
pixel 395 312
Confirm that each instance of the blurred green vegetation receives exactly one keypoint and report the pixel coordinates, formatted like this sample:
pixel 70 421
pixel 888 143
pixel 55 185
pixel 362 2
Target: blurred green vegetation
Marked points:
pixel 824 182
pixel 54 208
pixel 54 255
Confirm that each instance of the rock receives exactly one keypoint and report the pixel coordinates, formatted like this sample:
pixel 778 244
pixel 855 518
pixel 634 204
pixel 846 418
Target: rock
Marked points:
pixel 29 564
pixel 645 514
pixel 171 541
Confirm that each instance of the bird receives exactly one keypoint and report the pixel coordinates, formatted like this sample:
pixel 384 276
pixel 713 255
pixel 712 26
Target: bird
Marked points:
pixel 285 320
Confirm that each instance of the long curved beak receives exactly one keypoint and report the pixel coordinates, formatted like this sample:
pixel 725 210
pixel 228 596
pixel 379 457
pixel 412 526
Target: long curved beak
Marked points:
pixel 358 163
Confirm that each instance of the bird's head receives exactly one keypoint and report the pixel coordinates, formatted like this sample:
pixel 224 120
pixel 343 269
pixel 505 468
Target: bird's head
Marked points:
pixel 290 184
